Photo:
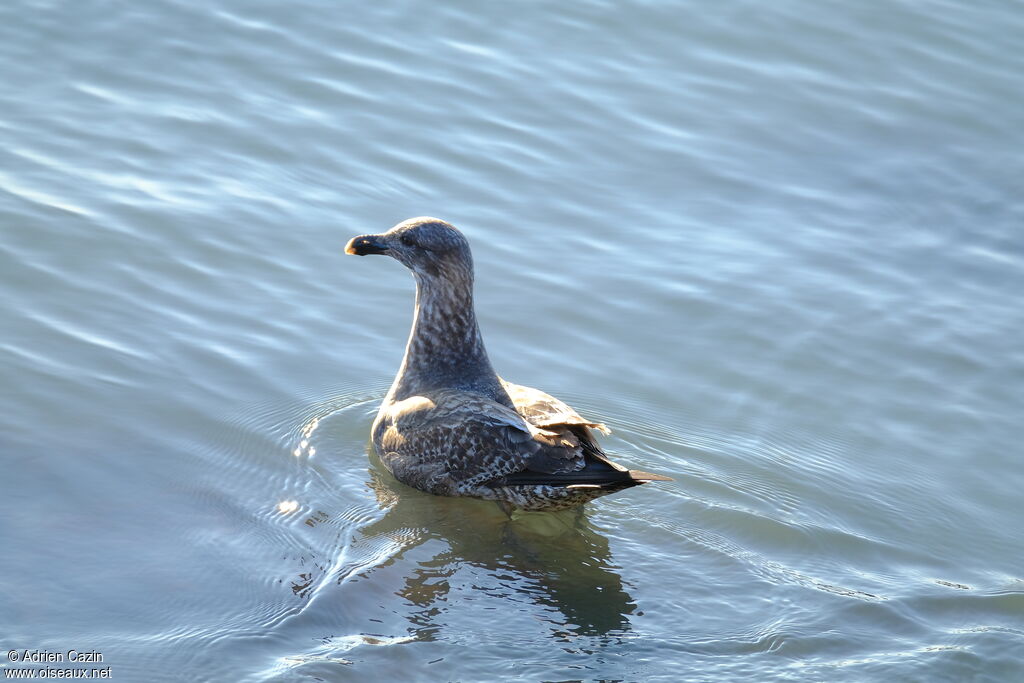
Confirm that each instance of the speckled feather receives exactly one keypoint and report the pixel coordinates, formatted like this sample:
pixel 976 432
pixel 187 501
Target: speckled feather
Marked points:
pixel 449 425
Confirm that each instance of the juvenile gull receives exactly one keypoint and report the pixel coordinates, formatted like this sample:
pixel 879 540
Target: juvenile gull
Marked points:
pixel 449 425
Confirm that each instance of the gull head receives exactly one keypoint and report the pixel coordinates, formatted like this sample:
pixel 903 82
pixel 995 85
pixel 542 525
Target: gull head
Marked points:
pixel 429 247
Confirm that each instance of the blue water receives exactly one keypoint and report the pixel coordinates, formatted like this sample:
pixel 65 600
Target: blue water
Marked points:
pixel 777 248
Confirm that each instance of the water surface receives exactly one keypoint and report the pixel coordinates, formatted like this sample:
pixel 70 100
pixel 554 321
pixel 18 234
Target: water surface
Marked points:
pixel 777 249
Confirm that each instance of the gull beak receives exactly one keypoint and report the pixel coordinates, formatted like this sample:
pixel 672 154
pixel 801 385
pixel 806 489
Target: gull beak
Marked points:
pixel 366 244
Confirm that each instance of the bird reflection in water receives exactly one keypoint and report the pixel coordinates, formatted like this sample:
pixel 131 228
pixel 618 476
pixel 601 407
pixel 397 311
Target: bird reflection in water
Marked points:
pixel 556 560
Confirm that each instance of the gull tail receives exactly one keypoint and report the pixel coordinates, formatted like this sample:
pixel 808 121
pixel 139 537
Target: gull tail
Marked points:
pixel 643 477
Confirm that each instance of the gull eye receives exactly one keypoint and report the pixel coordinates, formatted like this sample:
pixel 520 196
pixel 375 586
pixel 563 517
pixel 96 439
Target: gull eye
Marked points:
pixel 407 240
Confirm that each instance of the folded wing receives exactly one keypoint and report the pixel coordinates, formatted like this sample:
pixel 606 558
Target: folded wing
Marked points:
pixel 453 441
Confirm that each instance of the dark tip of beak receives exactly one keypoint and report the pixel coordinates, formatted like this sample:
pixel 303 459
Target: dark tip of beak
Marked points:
pixel 366 244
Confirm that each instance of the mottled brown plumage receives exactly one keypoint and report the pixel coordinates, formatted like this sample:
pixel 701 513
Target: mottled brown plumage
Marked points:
pixel 449 425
